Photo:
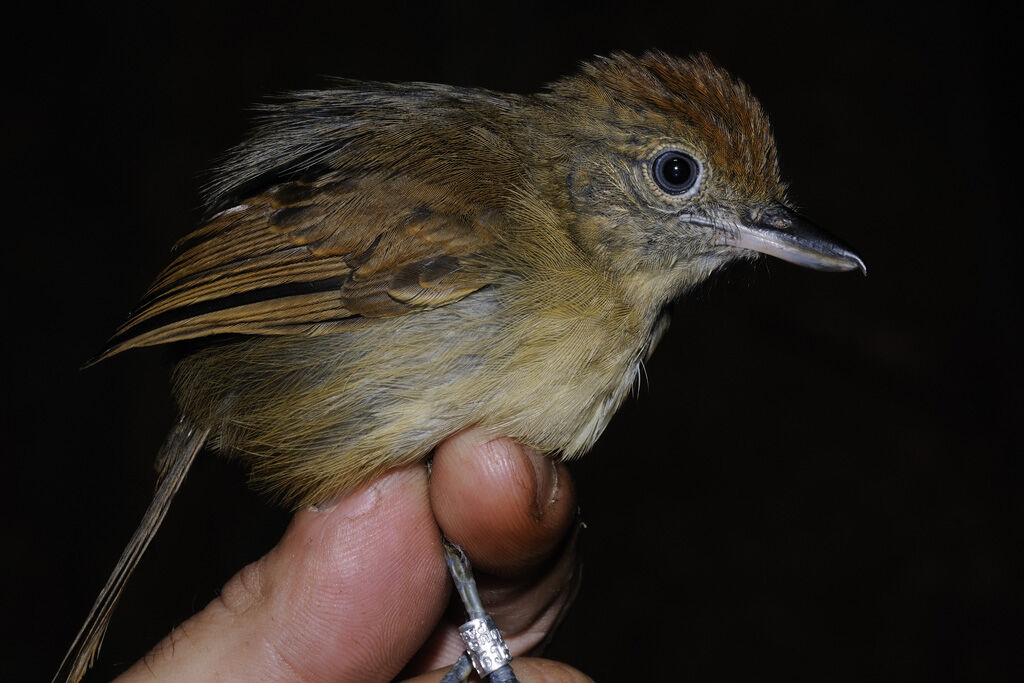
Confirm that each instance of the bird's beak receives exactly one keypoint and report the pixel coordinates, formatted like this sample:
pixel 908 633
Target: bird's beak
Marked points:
pixel 780 232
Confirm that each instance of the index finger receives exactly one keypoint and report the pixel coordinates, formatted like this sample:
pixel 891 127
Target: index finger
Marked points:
pixel 508 506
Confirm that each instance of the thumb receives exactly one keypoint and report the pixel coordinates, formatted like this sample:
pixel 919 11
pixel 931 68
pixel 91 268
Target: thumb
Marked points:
pixel 330 601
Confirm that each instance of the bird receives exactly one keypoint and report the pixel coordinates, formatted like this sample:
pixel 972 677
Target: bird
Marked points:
pixel 383 265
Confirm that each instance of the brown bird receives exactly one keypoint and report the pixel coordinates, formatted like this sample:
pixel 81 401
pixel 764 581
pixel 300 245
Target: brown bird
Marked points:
pixel 385 265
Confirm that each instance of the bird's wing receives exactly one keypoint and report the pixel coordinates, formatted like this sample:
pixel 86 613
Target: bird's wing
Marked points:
pixel 312 257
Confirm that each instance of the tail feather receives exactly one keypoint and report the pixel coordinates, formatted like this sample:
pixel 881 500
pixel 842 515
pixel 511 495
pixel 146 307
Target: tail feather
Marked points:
pixel 175 458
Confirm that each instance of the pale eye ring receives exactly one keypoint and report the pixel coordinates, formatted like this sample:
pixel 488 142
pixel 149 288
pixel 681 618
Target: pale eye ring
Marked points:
pixel 675 172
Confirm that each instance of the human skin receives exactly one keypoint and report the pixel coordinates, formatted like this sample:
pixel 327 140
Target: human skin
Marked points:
pixel 357 588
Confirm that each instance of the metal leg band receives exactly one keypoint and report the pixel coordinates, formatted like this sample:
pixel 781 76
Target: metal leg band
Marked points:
pixel 484 645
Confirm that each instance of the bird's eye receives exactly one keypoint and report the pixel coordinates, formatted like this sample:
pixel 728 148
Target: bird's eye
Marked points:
pixel 675 172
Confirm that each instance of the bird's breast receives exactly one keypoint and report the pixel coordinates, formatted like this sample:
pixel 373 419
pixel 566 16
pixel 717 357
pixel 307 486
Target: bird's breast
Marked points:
pixel 319 415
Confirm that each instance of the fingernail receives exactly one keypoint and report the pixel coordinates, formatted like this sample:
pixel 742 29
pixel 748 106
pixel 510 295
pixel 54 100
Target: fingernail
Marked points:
pixel 360 501
pixel 330 503
pixel 546 477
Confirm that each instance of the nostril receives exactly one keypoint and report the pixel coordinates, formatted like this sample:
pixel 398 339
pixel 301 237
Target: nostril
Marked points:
pixel 776 220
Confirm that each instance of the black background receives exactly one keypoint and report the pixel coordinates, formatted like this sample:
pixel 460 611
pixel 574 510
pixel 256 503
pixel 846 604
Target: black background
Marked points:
pixel 822 480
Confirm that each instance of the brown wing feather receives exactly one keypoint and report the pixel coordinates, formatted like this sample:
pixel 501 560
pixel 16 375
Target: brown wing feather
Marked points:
pixel 311 257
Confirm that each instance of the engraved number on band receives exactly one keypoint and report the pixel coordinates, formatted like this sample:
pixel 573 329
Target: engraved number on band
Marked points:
pixel 487 651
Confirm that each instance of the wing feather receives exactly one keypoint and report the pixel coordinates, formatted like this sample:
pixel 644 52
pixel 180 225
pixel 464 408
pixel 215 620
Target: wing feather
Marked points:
pixel 312 257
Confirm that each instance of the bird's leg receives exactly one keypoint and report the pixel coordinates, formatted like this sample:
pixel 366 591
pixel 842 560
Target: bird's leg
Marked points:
pixel 460 670
pixel 485 649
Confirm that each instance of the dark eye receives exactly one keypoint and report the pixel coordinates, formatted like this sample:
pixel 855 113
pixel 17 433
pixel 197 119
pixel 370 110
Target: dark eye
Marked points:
pixel 675 172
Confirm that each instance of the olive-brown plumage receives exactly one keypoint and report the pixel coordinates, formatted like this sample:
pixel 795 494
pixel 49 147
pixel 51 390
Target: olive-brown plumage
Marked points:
pixel 410 260
pixel 386 265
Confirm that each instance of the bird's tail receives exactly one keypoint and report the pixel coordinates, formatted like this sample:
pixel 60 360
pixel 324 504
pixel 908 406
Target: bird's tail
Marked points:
pixel 173 462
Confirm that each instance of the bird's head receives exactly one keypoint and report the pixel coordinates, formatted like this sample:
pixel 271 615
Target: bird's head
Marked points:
pixel 672 172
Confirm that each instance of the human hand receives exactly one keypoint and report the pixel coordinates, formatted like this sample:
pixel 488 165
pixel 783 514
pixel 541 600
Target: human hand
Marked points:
pixel 357 589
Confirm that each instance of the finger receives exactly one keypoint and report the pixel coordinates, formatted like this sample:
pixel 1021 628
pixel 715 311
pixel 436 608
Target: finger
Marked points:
pixel 527 670
pixel 527 613
pixel 508 506
pixel 329 602
pixel 511 509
